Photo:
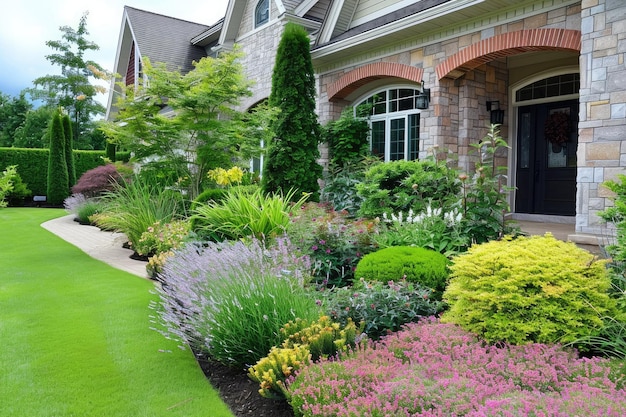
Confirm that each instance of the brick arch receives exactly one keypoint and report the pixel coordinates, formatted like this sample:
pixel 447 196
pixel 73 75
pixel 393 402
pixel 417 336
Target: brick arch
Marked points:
pixel 368 73
pixel 507 44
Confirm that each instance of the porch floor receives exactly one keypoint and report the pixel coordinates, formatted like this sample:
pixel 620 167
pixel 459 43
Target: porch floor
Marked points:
pixel 562 231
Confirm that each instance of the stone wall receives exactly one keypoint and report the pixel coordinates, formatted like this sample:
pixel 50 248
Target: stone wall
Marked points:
pixel 602 127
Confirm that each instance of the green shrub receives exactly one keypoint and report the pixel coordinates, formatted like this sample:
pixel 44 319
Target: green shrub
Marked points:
pixel 209 195
pixel 6 184
pixel 419 265
pixel 19 192
pixel 58 187
pixel 162 237
pixel 340 190
pixel 397 186
pixel 535 289
pixel 378 308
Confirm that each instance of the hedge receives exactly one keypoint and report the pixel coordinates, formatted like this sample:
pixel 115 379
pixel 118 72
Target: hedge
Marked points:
pixel 32 164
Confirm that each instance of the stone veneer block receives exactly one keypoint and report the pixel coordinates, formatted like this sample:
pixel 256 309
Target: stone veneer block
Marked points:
pixel 585 174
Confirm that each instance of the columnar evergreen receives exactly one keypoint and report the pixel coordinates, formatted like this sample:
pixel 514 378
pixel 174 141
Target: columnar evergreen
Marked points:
pixel 69 153
pixel 58 183
pixel 291 161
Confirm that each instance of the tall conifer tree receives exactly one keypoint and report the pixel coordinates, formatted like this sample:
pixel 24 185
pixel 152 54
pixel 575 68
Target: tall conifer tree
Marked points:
pixel 69 150
pixel 291 161
pixel 58 183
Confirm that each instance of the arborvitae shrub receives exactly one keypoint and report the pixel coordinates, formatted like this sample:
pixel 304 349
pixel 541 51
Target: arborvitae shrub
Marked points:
pixel 69 149
pixel 535 289
pixel 423 266
pixel 98 180
pixel 58 184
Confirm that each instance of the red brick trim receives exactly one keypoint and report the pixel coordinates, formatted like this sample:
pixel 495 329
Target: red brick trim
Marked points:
pixel 506 44
pixel 367 73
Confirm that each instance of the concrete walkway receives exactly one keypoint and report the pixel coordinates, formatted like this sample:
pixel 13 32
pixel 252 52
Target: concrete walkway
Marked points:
pixel 104 246
pixel 107 246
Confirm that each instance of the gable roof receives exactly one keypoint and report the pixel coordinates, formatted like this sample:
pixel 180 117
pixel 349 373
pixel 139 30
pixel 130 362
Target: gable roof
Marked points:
pixel 165 39
pixel 160 38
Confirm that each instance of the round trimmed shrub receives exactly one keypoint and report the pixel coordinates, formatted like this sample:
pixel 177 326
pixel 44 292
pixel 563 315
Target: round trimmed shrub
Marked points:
pixel 531 289
pixel 419 265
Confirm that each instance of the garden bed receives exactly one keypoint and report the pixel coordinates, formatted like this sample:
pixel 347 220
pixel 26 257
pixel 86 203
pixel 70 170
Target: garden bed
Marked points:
pixel 240 393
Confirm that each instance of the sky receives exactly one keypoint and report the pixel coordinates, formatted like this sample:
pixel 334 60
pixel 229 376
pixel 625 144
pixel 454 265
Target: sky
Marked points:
pixel 28 24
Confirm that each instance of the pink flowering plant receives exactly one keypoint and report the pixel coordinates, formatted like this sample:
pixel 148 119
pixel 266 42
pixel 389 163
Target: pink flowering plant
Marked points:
pixel 334 242
pixel 434 369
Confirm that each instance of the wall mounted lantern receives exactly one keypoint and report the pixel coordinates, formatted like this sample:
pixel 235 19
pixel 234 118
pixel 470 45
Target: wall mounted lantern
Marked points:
pixel 496 115
pixel 422 100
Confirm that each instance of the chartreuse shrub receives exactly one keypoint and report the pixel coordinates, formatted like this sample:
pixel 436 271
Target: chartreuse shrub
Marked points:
pixel 535 289
pixel 379 308
pixel 6 184
pixel 418 265
pixel 437 370
pixel 397 186
pixel 230 299
pixel 305 341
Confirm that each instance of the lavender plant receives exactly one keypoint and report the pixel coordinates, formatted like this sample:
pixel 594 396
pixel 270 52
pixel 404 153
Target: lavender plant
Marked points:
pixel 432 369
pixel 230 299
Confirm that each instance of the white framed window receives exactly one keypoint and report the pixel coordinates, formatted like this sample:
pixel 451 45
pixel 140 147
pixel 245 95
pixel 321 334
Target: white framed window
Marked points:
pixel 262 13
pixel 394 123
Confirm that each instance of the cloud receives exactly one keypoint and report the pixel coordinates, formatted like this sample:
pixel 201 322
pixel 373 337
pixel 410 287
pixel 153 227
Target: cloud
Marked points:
pixel 28 25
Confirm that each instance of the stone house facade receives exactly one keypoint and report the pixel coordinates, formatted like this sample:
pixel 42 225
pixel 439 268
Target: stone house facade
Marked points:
pixel 554 69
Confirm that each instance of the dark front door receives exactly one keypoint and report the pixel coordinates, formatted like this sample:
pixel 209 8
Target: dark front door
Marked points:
pixel 547 139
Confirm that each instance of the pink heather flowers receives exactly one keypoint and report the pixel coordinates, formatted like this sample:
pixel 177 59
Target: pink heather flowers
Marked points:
pixel 434 369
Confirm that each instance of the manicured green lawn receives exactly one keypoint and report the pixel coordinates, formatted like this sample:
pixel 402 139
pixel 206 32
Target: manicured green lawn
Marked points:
pixel 75 336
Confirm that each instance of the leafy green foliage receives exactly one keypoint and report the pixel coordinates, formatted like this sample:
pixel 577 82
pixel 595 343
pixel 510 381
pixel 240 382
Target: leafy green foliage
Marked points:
pixel 58 183
pixel 418 265
pixel 134 207
pixel 347 138
pixel 162 237
pixel 340 188
pixel 13 111
pixel 432 229
pixel 617 215
pixel 292 154
pixel 74 89
pixel 202 132
pixel 33 133
pixel 484 198
pixel 398 186
pixel 241 214
pixel 19 190
pixel 379 308
pixel 535 289
pixel 334 242
pixel 6 184
pixel 208 195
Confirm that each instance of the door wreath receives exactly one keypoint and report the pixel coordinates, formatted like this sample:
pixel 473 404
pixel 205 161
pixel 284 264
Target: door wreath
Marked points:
pixel 556 130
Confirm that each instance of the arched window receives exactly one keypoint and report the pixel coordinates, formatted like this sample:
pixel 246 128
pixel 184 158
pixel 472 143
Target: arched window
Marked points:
pixel 394 123
pixel 262 13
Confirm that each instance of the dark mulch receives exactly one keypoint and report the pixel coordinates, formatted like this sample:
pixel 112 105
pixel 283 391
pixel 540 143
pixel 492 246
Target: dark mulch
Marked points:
pixel 240 393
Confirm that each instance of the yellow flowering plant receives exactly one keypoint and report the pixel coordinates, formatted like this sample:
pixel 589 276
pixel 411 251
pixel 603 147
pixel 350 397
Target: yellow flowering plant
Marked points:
pixel 272 371
pixel 227 177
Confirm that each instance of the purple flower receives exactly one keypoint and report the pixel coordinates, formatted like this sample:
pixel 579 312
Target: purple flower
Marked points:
pixel 314 247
